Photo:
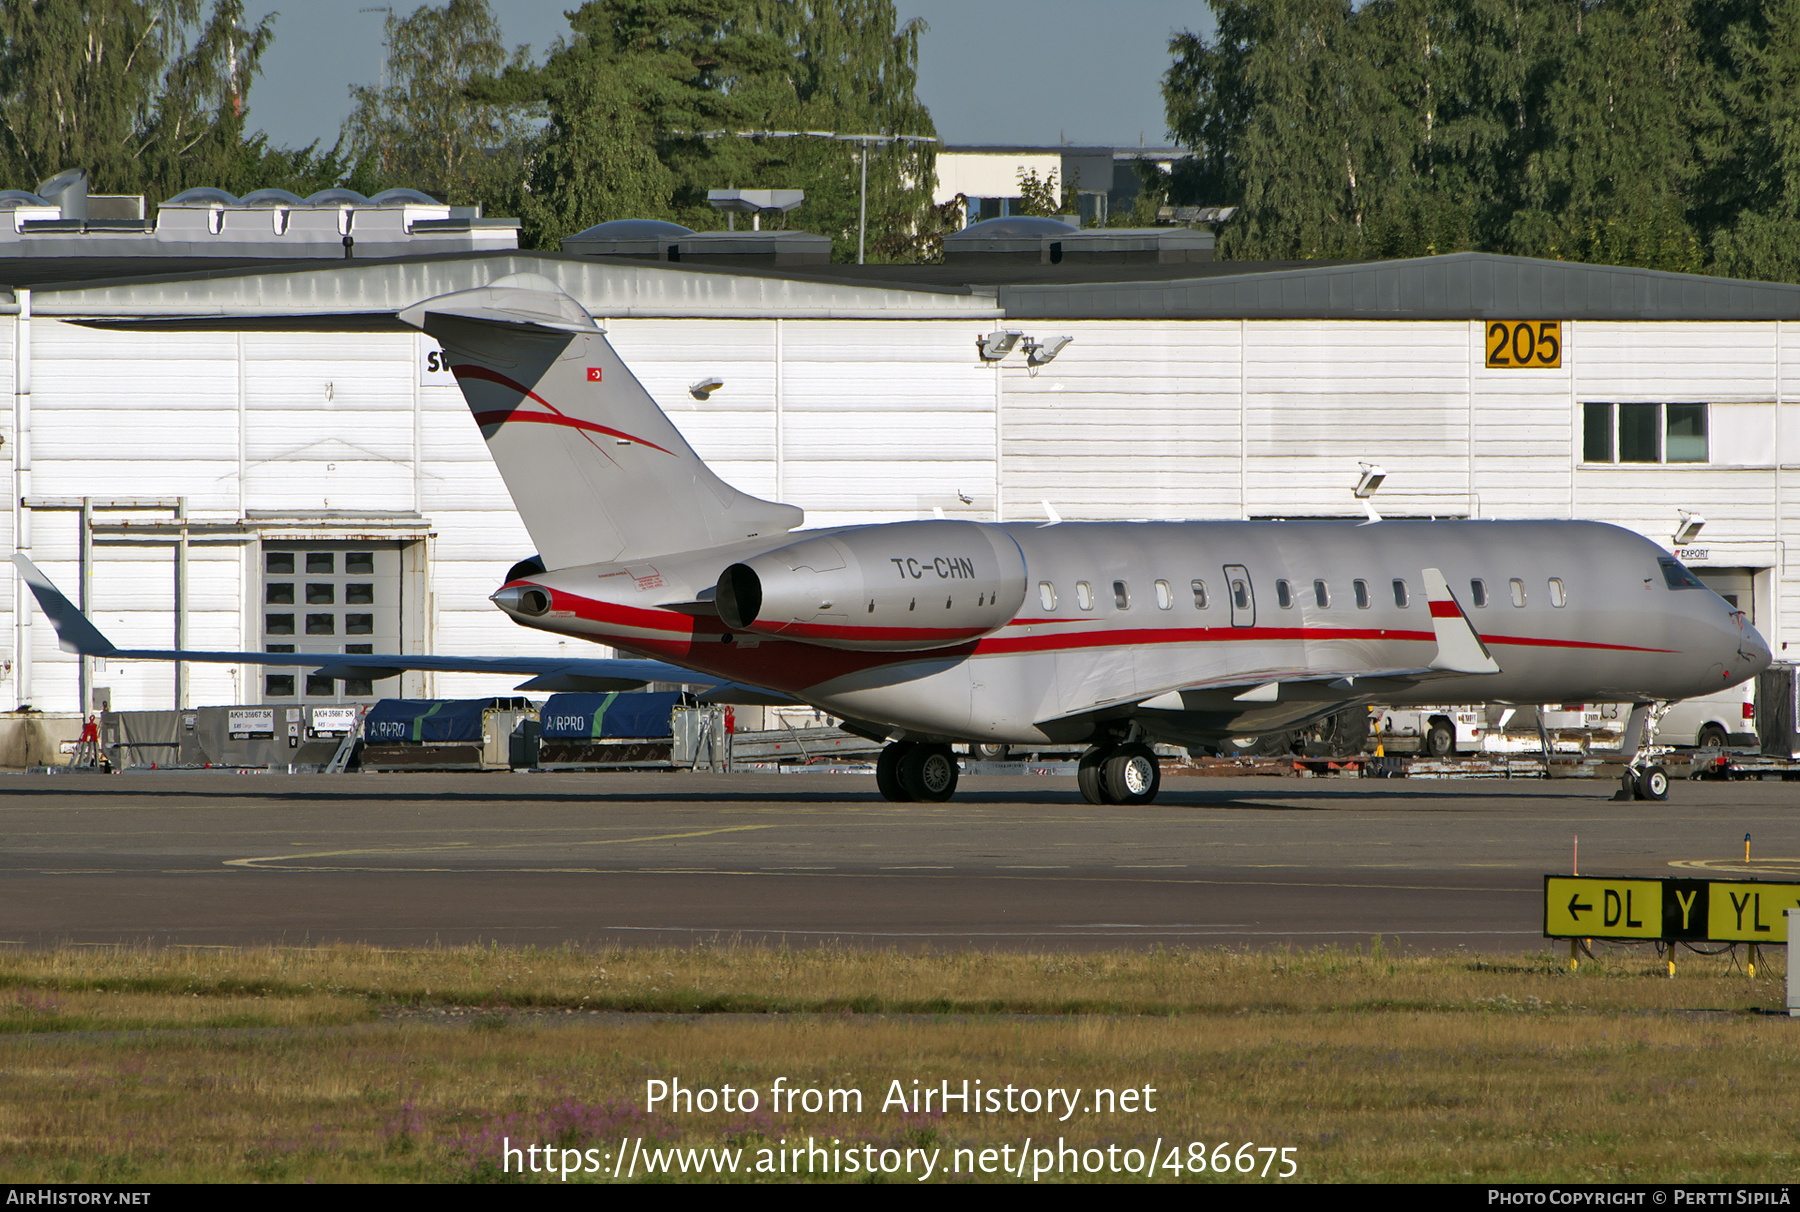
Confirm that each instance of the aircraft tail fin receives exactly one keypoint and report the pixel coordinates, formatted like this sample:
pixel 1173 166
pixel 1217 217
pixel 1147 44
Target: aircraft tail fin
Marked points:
pixel 597 471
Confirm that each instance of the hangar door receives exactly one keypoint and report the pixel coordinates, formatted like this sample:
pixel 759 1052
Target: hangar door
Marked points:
pixel 337 598
pixel 1734 585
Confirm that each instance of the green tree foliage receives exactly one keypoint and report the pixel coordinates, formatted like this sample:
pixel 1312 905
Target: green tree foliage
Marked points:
pixel 148 95
pixel 1636 132
pixel 1039 196
pixel 421 129
pixel 650 102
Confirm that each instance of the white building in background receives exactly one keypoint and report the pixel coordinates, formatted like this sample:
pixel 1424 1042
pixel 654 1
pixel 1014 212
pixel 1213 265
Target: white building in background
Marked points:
pixel 988 175
pixel 262 457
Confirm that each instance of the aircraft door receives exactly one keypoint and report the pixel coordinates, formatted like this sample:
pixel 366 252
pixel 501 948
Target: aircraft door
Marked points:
pixel 1242 594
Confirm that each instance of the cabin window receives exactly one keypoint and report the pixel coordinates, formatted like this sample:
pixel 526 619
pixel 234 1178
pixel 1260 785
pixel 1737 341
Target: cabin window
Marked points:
pixel 1047 595
pixel 1518 591
pixel 1558 598
pixel 1199 595
pixel 1121 595
pixel 1321 595
pixel 1400 596
pixel 1240 595
pixel 1478 593
pixel 1165 595
pixel 1084 595
pixel 1362 594
pixel 1284 595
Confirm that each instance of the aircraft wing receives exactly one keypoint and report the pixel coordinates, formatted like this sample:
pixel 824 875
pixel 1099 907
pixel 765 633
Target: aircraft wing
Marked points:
pixel 76 633
pixel 1460 653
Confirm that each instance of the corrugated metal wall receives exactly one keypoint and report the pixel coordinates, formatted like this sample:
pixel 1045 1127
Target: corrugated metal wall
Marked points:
pixel 867 420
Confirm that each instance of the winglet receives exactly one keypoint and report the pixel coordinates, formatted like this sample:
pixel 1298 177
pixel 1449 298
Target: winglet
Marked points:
pixel 73 631
pixel 1460 649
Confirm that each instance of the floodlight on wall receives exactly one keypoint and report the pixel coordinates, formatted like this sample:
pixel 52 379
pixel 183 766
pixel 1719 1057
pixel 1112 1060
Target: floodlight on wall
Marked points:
pixel 1039 352
pixel 705 387
pixel 1688 528
pixel 1370 480
pixel 997 344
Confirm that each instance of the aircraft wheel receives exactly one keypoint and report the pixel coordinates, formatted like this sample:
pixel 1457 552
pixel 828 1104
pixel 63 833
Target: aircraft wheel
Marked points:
pixel 1131 775
pixel 1087 776
pixel 1653 783
pixel 928 773
pixel 887 772
pixel 989 753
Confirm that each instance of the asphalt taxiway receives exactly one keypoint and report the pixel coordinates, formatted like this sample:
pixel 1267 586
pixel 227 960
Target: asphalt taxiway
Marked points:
pixel 657 858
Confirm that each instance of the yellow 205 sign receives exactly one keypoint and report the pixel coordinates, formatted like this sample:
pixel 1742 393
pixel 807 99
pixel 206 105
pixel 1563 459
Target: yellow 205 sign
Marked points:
pixel 1512 344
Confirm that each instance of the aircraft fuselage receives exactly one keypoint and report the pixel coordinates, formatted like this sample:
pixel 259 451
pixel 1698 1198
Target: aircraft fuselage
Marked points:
pixel 1172 625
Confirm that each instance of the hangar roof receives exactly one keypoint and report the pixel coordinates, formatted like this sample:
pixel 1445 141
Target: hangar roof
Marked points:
pixel 363 293
pixel 1456 286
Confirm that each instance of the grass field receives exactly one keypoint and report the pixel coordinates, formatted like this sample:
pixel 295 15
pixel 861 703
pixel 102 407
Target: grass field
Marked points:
pixel 354 1064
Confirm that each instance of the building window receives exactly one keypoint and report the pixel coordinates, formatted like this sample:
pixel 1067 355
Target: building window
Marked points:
pixel 278 686
pixel 1362 594
pixel 1322 595
pixel 1478 593
pixel 1643 433
pixel 278 624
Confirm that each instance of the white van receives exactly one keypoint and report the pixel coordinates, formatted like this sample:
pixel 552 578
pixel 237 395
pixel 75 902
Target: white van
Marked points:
pixel 1726 720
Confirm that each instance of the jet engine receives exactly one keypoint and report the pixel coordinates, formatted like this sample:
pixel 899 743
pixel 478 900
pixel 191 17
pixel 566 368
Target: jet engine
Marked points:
pixel 899 587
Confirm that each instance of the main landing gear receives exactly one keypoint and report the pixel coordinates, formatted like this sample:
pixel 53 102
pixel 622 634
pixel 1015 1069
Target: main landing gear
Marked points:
pixel 1119 774
pixel 916 771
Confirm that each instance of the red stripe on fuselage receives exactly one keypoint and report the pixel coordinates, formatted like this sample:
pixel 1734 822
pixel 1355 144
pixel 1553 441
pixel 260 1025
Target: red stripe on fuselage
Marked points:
pixel 470 371
pixel 793 665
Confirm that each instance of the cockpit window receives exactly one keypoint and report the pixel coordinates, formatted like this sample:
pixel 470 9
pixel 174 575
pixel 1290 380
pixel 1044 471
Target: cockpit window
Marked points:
pixel 1677 576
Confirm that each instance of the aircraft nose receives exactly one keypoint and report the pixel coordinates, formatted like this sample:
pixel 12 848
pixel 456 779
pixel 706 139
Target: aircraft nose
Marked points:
pixel 1753 652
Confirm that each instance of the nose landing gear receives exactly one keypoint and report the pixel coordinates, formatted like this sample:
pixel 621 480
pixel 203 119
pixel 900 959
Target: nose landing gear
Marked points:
pixel 1119 774
pixel 916 772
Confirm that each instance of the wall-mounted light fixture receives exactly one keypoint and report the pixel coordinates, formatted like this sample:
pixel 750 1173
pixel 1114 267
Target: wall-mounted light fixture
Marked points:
pixel 705 387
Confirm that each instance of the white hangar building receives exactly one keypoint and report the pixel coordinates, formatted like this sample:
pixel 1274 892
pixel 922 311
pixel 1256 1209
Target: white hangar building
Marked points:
pixel 257 456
